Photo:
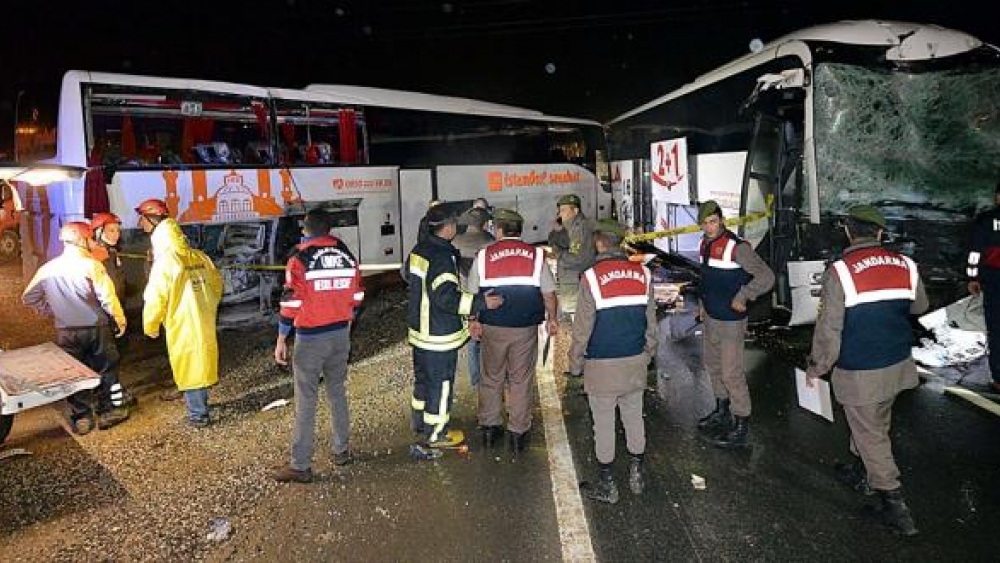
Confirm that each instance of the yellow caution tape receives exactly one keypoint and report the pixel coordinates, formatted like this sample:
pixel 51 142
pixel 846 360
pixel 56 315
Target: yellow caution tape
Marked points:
pixel 731 222
pixel 278 267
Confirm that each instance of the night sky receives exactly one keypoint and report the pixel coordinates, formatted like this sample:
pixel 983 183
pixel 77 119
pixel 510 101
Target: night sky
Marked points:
pixel 582 59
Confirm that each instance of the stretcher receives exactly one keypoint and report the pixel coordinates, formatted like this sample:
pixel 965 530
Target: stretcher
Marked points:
pixel 36 376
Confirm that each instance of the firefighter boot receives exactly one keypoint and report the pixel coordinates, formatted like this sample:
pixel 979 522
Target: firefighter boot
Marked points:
pixel 735 437
pixel 492 435
pixel 605 489
pixel 635 480
pixel 113 417
pixel 895 513
pixel 718 419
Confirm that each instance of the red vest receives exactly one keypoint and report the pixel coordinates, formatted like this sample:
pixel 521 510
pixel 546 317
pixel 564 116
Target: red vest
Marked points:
pixel 510 262
pixel 323 285
pixel 620 289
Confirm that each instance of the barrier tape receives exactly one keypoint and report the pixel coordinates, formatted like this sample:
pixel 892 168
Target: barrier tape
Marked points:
pixel 277 267
pixel 731 222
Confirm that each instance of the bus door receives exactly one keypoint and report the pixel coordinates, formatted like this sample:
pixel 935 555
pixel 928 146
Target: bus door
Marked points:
pixel 772 189
pixel 416 190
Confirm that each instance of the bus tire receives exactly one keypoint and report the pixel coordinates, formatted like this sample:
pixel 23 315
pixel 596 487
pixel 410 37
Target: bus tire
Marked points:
pixel 10 246
pixel 6 421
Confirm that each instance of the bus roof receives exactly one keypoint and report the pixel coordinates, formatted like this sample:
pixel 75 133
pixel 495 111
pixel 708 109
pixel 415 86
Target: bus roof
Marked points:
pixel 358 95
pixel 906 41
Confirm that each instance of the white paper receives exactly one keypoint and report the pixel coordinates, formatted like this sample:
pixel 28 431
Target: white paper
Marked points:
pixel 815 399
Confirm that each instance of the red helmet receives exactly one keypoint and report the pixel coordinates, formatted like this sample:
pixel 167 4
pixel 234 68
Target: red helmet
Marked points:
pixel 76 233
pixel 156 207
pixel 99 220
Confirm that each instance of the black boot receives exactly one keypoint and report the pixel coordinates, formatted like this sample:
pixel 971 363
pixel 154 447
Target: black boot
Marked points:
pixel 635 480
pixel 605 489
pixel 854 476
pixel 718 419
pixel 895 513
pixel 518 441
pixel 492 435
pixel 735 437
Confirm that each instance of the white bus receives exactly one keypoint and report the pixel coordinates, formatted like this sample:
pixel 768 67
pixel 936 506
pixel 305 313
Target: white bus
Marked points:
pixel 902 116
pixel 238 165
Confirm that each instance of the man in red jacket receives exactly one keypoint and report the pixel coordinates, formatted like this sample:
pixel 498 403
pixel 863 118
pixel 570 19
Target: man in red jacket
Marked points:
pixel 322 289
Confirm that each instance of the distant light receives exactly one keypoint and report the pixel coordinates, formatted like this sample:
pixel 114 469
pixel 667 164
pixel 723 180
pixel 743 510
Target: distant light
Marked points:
pixel 447 7
pixel 367 30
pixel 550 68
pixel 339 12
pixel 126 63
pixel 756 45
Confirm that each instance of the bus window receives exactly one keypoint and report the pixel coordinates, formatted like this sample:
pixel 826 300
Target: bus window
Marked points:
pixel 320 134
pixel 762 166
pixel 131 127
pixel 33 137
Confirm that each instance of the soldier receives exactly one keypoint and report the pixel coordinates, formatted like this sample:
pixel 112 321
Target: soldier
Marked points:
pixel 474 239
pixel 984 277
pixel 78 293
pixel 517 271
pixel 614 337
pixel 863 334
pixel 572 240
pixel 731 275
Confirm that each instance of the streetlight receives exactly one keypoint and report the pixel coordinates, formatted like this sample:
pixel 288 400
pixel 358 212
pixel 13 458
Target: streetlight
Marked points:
pixel 17 122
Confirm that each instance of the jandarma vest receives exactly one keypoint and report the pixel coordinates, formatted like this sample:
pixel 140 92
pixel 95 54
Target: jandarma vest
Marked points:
pixel 513 269
pixel 879 286
pixel 620 289
pixel 721 276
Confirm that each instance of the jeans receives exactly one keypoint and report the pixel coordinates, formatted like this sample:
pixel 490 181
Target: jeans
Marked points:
pixel 197 404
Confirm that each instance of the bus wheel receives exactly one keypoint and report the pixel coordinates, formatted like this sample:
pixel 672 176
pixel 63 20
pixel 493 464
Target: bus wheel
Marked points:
pixel 6 421
pixel 10 246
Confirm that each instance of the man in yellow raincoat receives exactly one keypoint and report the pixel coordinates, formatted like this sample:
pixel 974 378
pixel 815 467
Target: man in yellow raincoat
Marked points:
pixel 182 295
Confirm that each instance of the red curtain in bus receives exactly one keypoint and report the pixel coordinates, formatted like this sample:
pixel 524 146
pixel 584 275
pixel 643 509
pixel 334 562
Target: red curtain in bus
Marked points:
pixel 288 134
pixel 95 192
pixel 197 131
pixel 128 138
pixel 348 137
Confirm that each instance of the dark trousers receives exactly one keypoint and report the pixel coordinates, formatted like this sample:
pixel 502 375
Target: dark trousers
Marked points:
pixel 991 309
pixel 433 391
pixel 95 348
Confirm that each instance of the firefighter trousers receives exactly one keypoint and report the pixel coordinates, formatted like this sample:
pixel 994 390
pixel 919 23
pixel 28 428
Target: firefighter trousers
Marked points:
pixel 95 348
pixel 433 392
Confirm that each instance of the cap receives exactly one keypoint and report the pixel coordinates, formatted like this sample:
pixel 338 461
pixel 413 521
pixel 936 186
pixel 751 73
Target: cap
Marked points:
pixel 438 215
pixel 474 216
pixel 612 227
pixel 867 214
pixel 508 215
pixel 99 220
pixel 75 232
pixel 708 208
pixel 570 199
pixel 156 207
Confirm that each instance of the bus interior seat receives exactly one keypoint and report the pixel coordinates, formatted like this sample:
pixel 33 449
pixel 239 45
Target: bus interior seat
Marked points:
pixel 259 152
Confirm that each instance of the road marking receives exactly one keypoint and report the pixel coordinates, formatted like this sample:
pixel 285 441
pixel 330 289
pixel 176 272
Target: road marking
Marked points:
pixel 574 533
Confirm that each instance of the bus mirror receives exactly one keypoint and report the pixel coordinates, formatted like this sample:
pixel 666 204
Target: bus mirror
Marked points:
pixel 791 78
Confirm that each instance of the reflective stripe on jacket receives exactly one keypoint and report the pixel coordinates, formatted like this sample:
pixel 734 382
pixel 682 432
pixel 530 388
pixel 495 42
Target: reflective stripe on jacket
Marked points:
pixel 437 304
pixel 322 286
pixel 513 269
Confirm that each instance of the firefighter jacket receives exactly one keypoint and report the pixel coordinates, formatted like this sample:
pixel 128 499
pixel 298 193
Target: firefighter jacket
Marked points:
pixel 322 287
pixel 76 290
pixel 620 291
pixel 730 269
pixel 182 295
pixel 437 304
pixel 985 251
pixel 866 301
pixel 108 256
pixel 574 249
pixel 517 271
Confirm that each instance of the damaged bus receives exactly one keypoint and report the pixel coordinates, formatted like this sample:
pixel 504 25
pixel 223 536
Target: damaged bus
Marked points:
pixel 239 165
pixel 902 116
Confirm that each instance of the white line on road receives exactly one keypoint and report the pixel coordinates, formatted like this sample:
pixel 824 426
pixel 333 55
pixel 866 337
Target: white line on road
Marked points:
pixel 574 533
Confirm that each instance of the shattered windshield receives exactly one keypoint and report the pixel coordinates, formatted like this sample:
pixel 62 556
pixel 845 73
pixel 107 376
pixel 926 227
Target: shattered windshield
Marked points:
pixel 922 144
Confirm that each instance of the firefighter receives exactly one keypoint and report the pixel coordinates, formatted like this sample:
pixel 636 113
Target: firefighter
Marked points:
pixel 182 296
pixel 322 292
pixel 984 277
pixel 572 240
pixel 78 293
pixel 107 229
pixel 864 335
pixel 731 275
pixel 614 337
pixel 517 271
pixel 436 316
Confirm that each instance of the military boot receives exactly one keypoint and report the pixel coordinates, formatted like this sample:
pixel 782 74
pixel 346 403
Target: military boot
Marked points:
pixel 518 441
pixel 718 419
pixel 492 435
pixel 635 480
pixel 895 513
pixel 605 489
pixel 854 476
pixel 735 437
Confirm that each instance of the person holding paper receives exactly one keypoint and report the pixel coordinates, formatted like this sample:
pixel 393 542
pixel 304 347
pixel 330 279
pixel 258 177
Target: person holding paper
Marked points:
pixel 863 335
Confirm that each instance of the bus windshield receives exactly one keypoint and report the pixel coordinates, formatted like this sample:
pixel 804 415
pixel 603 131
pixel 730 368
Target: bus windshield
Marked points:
pixel 927 142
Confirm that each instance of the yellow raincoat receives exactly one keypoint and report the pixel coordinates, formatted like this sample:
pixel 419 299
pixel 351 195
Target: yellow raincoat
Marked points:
pixel 183 294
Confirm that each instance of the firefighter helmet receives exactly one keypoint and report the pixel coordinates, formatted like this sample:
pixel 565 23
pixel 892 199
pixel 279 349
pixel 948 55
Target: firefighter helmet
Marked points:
pixel 156 207
pixel 100 220
pixel 76 233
